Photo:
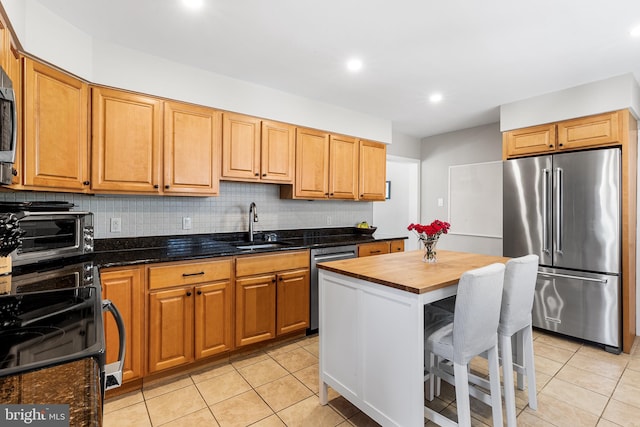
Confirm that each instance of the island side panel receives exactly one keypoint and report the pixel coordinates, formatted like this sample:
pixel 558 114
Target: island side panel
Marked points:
pixel 373 356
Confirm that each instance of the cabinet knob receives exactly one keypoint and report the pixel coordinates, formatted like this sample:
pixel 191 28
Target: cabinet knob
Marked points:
pixel 257 174
pixel 280 278
pixel 85 183
pixel 264 174
pixel 550 145
pixel 199 292
pixel 560 145
pixel 188 293
pixel 331 194
pixel 167 186
pixel 273 280
pixel 156 186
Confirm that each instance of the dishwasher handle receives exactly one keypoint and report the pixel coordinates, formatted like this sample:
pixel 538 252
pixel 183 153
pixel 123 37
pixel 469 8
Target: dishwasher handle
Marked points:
pixel 334 256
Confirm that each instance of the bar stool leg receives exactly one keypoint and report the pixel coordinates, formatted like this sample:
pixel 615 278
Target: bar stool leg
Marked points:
pixel 530 367
pixel 496 396
pixel 462 394
pixel 507 379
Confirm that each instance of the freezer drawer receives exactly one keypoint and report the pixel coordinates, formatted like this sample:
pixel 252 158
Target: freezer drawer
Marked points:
pixel 581 305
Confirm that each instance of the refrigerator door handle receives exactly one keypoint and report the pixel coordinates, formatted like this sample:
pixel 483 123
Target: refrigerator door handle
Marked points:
pixel 568 276
pixel 558 209
pixel 545 210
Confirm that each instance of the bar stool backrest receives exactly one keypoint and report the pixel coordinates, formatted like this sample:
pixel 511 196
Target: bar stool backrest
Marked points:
pixel 517 296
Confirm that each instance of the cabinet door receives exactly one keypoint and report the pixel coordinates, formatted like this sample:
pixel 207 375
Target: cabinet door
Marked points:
pixel 191 149
pixel 170 328
pixel 373 170
pixel 255 309
pixel 531 140
pixel 312 164
pixel 278 152
pixel 56 137
pixel 375 248
pixel 240 147
pixel 396 246
pixel 126 141
pixel 343 167
pixel 293 301
pixel 213 319
pixel 123 286
pixel 591 131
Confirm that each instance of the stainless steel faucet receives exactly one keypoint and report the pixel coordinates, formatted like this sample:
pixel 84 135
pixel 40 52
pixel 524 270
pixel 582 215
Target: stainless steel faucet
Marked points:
pixel 253 217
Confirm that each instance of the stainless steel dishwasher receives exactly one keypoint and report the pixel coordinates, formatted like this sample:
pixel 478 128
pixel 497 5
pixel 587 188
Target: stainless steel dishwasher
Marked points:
pixel 323 255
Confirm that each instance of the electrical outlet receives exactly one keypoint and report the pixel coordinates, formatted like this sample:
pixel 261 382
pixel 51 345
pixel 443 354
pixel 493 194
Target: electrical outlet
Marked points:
pixel 186 223
pixel 116 225
pixel 440 202
pixel 328 219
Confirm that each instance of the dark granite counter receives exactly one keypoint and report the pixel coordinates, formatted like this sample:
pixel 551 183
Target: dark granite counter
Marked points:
pixel 143 250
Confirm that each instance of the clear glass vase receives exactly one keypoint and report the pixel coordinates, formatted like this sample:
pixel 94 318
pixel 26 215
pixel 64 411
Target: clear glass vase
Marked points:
pixel 429 249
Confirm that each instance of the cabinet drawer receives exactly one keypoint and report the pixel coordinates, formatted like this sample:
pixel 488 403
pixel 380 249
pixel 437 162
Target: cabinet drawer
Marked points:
pixel 376 248
pixel 396 246
pixel 187 273
pixel 260 264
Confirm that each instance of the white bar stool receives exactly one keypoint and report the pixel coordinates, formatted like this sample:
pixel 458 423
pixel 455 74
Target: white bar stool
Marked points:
pixel 472 332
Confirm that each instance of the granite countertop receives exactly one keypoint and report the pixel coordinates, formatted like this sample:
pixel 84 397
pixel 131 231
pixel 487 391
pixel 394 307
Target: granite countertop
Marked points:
pixel 143 250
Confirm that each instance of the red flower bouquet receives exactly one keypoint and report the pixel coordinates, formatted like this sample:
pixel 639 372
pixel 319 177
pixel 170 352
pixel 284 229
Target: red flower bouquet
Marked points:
pixel 429 235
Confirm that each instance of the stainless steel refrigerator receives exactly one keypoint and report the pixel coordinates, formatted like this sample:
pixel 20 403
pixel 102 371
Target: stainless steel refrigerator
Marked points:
pixel 566 209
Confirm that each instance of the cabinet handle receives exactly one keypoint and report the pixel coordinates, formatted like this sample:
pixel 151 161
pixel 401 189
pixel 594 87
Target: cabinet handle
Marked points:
pixel 192 274
pixel 188 294
pixel 199 292
pixel 85 183
pixel 156 186
pixel 167 186
pixel 375 252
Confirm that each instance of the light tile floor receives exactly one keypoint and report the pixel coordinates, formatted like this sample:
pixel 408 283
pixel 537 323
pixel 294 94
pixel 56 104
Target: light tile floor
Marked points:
pixel 578 385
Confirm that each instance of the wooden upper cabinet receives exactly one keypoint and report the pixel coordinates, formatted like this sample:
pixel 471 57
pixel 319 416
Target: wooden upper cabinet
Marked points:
pixel 56 136
pixel 278 150
pixel 531 140
pixel 240 147
pixel 257 150
pixel 312 164
pixel 343 167
pixel 585 132
pixel 191 149
pixel 373 170
pixel 126 142
pixel 602 129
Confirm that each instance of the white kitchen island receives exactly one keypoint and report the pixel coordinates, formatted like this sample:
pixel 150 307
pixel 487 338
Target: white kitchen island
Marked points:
pixel 371 328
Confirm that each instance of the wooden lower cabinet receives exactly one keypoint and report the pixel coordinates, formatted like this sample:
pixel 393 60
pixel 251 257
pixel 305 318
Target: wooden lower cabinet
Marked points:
pixel 374 248
pixel 292 301
pixel 396 246
pixel 190 312
pixel 124 287
pixel 170 328
pixel 272 296
pixel 255 309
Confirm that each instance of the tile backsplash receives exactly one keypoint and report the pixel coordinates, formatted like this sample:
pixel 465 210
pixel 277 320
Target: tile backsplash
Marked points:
pixel 229 212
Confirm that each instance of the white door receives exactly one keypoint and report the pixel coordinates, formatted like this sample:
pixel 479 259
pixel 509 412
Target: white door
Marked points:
pixel 403 205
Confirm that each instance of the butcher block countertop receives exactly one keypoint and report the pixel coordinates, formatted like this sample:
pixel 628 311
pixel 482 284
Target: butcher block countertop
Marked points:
pixel 407 271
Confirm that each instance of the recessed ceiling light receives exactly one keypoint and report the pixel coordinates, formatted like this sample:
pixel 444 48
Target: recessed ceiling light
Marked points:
pixel 635 31
pixel 193 4
pixel 435 98
pixel 354 65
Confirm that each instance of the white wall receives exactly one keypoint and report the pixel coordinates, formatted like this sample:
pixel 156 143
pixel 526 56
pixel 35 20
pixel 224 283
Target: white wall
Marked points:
pixel 474 145
pixel 47 36
pixel 615 93
pixel 403 207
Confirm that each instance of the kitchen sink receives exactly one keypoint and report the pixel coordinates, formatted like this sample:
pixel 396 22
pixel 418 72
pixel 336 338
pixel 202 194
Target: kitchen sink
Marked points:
pixel 265 245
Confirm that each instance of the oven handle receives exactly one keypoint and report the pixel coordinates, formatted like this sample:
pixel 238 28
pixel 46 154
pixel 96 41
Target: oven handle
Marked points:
pixel 113 371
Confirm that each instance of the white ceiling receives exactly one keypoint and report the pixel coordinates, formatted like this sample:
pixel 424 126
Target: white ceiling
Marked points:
pixel 478 54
